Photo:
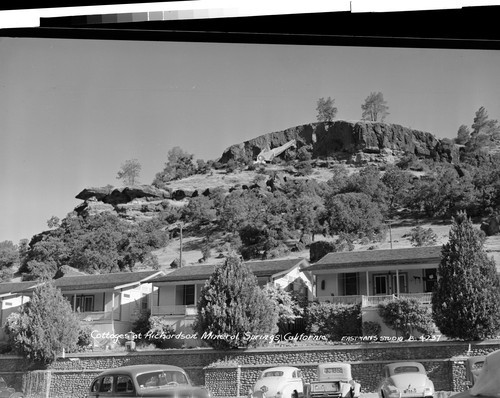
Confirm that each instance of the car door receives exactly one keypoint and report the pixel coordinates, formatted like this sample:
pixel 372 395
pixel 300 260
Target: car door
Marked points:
pixel 113 386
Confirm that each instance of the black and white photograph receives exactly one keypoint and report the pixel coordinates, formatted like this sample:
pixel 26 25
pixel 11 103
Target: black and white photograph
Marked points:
pixel 207 205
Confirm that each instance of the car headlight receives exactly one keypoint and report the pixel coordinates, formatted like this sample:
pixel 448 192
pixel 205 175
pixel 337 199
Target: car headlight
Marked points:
pixel 428 391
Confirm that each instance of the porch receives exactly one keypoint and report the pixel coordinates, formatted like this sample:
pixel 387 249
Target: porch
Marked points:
pixel 373 301
pixel 96 316
pixel 187 310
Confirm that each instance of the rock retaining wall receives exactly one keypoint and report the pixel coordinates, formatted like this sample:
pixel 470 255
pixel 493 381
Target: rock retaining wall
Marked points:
pixel 232 373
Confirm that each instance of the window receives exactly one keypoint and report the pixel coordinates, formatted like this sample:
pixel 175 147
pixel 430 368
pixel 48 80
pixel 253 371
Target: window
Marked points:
pixel 95 385
pixel 350 283
pixel 189 295
pixel 83 303
pixel 323 284
pixel 107 384
pixel 403 286
pixel 380 284
pixel 124 384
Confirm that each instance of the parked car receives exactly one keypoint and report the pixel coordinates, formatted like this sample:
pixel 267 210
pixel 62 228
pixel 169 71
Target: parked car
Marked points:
pixel 406 380
pixel 8 392
pixel 279 382
pixel 473 367
pixel 145 381
pixel 334 380
pixel 487 377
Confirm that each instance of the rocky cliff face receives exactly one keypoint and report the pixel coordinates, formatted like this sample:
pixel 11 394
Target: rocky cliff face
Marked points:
pixel 351 141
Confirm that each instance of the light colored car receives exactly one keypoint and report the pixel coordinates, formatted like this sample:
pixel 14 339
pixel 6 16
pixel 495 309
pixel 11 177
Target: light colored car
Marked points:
pixel 145 381
pixel 406 380
pixel 279 382
pixel 487 382
pixel 8 392
pixel 334 380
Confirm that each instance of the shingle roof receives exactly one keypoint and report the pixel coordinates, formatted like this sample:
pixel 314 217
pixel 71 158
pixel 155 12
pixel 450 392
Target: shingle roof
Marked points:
pixel 367 258
pixel 203 272
pixel 16 287
pixel 103 281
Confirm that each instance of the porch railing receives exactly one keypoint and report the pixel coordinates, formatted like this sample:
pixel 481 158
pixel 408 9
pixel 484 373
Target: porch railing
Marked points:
pixel 98 316
pixel 173 310
pixel 373 301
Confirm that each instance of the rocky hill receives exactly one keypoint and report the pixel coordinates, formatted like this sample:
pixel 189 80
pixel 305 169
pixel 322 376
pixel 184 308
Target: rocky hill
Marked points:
pixel 351 141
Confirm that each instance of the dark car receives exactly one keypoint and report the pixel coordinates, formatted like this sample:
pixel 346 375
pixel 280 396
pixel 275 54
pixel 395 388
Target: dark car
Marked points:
pixel 473 367
pixel 8 392
pixel 145 381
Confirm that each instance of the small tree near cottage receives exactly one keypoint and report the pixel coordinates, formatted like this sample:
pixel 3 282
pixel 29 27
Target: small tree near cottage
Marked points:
pixel 232 307
pixel 45 326
pixel 466 300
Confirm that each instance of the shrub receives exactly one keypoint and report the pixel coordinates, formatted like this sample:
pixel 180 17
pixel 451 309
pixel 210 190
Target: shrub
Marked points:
pixel 45 326
pixel 371 328
pixel 422 237
pixel 232 304
pixel 466 300
pixel 334 320
pixel 406 316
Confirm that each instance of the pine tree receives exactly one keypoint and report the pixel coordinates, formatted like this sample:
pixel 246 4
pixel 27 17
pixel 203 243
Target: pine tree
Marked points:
pixel 232 306
pixel 466 301
pixel 45 326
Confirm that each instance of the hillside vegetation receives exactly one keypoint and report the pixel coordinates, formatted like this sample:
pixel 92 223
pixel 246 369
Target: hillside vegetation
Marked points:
pixel 359 186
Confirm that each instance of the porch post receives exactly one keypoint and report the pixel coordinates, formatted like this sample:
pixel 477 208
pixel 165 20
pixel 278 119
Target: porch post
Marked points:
pixel 74 302
pixel 397 282
pixel 113 312
pixel 367 284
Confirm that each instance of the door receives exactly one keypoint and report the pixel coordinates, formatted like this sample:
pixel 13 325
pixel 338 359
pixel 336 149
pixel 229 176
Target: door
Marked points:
pixel 380 284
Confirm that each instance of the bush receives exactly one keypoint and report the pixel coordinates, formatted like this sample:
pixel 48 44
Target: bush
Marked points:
pixel 232 304
pixel 371 328
pixel 319 249
pixel 422 237
pixel 334 320
pixel 406 316
pixel 45 326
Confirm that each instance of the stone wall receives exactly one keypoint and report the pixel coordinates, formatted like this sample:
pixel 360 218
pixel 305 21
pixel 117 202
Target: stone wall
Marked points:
pixel 220 373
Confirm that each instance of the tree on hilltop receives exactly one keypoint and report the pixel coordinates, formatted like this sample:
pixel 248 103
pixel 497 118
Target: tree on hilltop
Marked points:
pixel 179 165
pixel 466 300
pixel 375 108
pixel 326 110
pixel 129 172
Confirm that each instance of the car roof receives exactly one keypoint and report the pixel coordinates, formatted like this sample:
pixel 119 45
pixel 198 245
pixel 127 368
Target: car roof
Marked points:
pixel 339 364
pixel 281 368
pixel 134 370
pixel 395 365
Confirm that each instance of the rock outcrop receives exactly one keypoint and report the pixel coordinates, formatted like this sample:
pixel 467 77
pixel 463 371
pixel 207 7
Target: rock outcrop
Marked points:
pixel 133 203
pixel 351 141
pixel 118 195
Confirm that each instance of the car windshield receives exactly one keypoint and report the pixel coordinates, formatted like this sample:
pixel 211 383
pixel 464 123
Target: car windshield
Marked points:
pixel 274 373
pixel 161 378
pixel 406 369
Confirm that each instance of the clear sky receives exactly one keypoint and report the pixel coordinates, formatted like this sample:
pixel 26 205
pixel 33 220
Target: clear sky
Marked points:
pixel 72 111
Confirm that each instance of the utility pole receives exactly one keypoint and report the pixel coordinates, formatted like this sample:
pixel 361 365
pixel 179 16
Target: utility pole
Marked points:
pixel 180 253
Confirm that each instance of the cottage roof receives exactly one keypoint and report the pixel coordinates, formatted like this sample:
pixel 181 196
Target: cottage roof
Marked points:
pixel 373 258
pixel 259 268
pixel 104 281
pixel 8 288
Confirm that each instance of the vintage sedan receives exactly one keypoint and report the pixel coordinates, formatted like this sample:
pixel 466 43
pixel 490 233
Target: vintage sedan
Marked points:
pixel 406 380
pixel 487 382
pixel 145 381
pixel 8 392
pixel 279 382
pixel 334 380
